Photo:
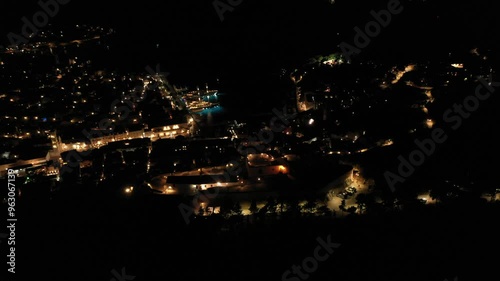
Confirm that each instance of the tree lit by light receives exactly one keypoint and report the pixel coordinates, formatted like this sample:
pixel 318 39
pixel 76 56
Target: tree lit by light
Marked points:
pixel 429 123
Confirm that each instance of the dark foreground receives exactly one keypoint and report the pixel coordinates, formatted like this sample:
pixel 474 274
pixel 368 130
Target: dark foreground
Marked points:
pixel 86 237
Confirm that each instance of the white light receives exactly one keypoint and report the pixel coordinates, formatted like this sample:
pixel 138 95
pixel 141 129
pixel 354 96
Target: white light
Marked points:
pixel 311 121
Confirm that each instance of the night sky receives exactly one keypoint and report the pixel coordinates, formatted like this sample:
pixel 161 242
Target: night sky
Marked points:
pixel 268 35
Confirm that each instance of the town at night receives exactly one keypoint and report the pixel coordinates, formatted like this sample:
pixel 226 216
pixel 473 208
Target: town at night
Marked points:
pixel 249 140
